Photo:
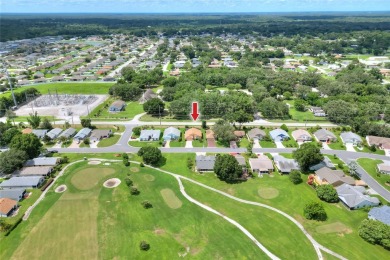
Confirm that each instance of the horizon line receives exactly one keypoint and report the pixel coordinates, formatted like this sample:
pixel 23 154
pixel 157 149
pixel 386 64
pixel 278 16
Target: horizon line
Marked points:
pixel 184 12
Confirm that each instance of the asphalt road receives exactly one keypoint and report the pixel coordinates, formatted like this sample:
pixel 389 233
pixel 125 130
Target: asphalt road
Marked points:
pixel 123 147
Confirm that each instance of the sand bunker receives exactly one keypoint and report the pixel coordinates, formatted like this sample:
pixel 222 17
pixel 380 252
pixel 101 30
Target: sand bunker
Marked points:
pixel 134 169
pixel 112 183
pixel 61 188
pixel 94 162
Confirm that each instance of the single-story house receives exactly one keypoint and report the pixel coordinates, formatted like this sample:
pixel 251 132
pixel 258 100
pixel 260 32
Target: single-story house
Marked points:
pixel 7 206
pixel 325 136
pixel 284 165
pixel 54 133
pixel 42 161
pixel 210 134
pixel 256 133
pixel 34 171
pixel 147 95
pixel 40 133
pixel 193 134
pixel 22 182
pixel 261 165
pixel 82 134
pixel 241 160
pixel 317 111
pixel 68 133
pixel 239 134
pixel 171 133
pixel 117 106
pixel 354 198
pixel 301 135
pixel 350 138
pixel 27 131
pixel 384 167
pixel 99 134
pixel 381 214
pixel 380 142
pixel 150 135
pixel 325 163
pixel 279 135
pixel 205 163
pixel 333 177
pixel 14 194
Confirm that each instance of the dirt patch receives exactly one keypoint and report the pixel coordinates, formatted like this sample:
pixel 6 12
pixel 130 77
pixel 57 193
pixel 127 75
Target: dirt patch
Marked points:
pixel 231 191
pixel 170 198
pixel 61 188
pixel 107 163
pixel 268 193
pixel 159 231
pixel 134 169
pixel 336 227
pixel 94 162
pixel 149 177
pixel 112 183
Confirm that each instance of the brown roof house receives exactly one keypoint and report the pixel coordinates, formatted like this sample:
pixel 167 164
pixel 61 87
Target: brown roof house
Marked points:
pixel 193 134
pixel 27 131
pixel 7 206
pixel 256 133
pixel 333 177
pixel 147 95
pixel 384 167
pixel 210 134
pixel 301 135
pixel 239 134
pixel 261 165
pixel 380 142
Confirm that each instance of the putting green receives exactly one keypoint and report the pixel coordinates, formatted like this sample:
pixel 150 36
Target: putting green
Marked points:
pixel 149 177
pixel 88 178
pixel 170 199
pixel 336 227
pixel 268 193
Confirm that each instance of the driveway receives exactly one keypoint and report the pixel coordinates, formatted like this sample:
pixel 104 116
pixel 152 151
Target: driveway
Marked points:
pixel 74 144
pixel 387 152
pixel 256 143
pixel 211 142
pixel 279 145
pixel 167 144
pixel 188 144
pixel 349 147
pixel 326 146
pixel 93 144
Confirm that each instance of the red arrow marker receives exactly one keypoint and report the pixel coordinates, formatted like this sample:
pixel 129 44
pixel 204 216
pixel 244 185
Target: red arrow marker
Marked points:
pixel 195 112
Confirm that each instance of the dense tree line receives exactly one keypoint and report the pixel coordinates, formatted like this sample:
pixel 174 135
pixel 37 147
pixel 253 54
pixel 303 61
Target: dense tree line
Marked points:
pixel 6 102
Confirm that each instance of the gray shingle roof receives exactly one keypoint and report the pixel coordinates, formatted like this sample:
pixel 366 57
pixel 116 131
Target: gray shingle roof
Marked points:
pixel 147 134
pixel 381 214
pixel 42 161
pixel 54 133
pixel 256 133
pixel 21 182
pixel 171 131
pixel 285 165
pixel 40 133
pixel 13 194
pixel 83 133
pixel 205 162
pixel 353 196
pixel 323 134
pixel 350 137
pixel 68 132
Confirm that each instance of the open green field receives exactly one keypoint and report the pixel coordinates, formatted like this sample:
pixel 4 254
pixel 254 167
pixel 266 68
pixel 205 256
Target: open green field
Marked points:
pixel 67 88
pixel 93 222
pixel 369 165
pixel 109 141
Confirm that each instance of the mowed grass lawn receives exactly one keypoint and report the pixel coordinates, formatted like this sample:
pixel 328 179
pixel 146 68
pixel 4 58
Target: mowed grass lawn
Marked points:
pixel 67 88
pixel 91 222
pixel 291 199
pixel 369 165
pixel 132 109
pixel 109 141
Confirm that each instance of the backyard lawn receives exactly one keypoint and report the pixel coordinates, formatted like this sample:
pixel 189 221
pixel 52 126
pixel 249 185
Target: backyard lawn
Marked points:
pixel 369 165
pixel 101 111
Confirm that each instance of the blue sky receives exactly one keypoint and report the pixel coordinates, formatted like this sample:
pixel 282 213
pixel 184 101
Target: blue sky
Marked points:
pixel 188 6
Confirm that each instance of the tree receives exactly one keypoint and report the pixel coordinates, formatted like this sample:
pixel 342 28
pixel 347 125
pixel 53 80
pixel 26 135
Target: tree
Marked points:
pixel 150 155
pixel 227 168
pixel 295 177
pixel 146 204
pixel 300 105
pixel 271 108
pixel 308 155
pixel 7 136
pixel 46 124
pixel 12 160
pixel 241 117
pixel 34 120
pixel 86 122
pixel 315 211
pixel 29 143
pixel 224 131
pixel 340 111
pixel 154 106
pixel 137 131
pixel 327 193
pixel 284 127
pixel 134 191
pixel 375 232
pixel 144 246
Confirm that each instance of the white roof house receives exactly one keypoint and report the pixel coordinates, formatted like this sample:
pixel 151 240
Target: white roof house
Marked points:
pixel 42 161
pixel 349 137
pixel 353 197
pixel 301 135
pixel 148 135
pixel 279 135
pixel 83 133
pixel 171 133
pixel 68 133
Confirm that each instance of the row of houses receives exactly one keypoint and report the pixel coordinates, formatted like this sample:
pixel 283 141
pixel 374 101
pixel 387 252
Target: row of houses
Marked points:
pixel 32 175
